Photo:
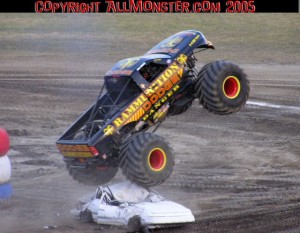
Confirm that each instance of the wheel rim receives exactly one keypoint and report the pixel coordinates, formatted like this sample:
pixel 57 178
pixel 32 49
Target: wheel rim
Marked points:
pixel 231 87
pixel 157 159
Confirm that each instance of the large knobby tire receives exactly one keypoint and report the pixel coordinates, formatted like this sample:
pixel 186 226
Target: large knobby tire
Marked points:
pixel 222 87
pixel 146 159
pixel 93 175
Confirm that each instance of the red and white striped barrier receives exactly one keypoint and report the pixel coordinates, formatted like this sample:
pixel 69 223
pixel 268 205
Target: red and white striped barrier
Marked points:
pixel 5 167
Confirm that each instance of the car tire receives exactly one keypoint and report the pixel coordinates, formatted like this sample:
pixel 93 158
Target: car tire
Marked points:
pixel 86 216
pixel 134 224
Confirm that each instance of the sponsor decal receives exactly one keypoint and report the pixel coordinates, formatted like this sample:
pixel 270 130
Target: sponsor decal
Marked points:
pixel 118 72
pixel 159 91
pixel 123 67
pixel 194 40
pixel 130 110
pixel 127 63
pixel 172 43
pixel 109 130
pixel 74 150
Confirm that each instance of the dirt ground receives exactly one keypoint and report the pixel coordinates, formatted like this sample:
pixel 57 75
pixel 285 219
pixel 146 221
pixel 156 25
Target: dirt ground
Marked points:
pixel 238 173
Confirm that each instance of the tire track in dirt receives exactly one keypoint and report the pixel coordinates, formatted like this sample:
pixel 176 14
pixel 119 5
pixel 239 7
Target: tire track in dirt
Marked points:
pixel 247 221
pixel 222 194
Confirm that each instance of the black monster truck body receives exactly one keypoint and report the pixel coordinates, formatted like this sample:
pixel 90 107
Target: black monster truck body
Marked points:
pixel 139 93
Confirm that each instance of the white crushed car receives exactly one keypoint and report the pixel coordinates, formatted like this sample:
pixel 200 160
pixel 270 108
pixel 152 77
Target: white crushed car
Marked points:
pixel 134 207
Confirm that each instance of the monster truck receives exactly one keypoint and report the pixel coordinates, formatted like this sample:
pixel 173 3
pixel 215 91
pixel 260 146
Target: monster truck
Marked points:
pixel 140 93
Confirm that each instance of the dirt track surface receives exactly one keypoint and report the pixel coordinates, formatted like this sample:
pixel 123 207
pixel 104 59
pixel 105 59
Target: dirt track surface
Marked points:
pixel 238 173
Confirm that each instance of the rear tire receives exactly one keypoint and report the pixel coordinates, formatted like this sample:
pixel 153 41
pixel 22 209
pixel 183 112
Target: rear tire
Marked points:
pixel 222 87
pixel 92 175
pixel 146 159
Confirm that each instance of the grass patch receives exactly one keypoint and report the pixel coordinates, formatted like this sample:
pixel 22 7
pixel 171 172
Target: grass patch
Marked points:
pixel 246 38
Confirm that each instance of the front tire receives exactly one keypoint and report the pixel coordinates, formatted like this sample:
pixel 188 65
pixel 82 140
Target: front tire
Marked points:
pixel 222 87
pixel 146 159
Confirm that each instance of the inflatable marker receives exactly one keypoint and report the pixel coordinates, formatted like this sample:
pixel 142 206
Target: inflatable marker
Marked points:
pixel 5 191
pixel 5 167
pixel 4 142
